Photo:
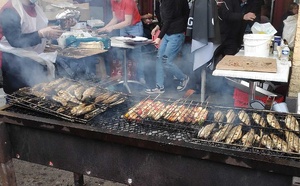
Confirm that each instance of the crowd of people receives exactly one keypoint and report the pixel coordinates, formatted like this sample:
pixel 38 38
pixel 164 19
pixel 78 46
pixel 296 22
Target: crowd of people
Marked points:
pixel 24 28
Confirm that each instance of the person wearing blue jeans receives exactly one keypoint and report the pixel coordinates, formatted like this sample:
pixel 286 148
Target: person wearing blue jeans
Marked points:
pixel 174 16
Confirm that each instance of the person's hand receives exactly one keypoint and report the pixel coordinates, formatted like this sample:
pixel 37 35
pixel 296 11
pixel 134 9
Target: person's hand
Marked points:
pixel 157 41
pixel 105 29
pixel 154 30
pixel 249 16
pixel 51 32
pixel 147 16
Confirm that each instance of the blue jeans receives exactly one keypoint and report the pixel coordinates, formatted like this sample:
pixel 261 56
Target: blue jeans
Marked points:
pixel 167 52
pixel 136 53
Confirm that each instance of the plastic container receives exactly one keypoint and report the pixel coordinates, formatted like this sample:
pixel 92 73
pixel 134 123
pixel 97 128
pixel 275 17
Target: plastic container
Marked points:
pixel 257 45
pixel 285 53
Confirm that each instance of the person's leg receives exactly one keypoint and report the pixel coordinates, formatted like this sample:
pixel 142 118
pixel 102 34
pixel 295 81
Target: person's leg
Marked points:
pixel 172 49
pixel 159 63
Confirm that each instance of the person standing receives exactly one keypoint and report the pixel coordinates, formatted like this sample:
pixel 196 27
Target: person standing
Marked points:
pixel 232 21
pixel 174 16
pixel 24 30
pixel 127 18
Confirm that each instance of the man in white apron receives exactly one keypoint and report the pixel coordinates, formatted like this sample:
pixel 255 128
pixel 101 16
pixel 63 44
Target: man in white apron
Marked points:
pixel 25 32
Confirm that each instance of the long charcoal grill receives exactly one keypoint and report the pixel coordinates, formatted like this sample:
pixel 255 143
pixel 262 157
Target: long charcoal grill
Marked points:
pixel 136 139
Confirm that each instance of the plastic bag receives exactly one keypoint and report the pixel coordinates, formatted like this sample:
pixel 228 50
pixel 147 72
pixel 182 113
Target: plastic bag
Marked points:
pixel 265 28
pixel 289 30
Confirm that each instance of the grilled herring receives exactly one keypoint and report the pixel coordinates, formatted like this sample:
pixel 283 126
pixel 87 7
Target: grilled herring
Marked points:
pixel 205 131
pixel 88 93
pixel 291 123
pixel 259 120
pixel 244 117
pixel 248 138
pixel 273 121
pixel 234 134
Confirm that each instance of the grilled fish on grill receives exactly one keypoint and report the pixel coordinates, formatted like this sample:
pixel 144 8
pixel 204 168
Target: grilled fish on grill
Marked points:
pixel 291 123
pixel 279 143
pixel 293 141
pixel 234 134
pixel 78 92
pixel 205 131
pixel 111 99
pixel 248 138
pixel 71 88
pixel 60 100
pixel 273 121
pixel 88 93
pixel 219 116
pixel 102 97
pixel 222 133
pixel 63 86
pixel 244 117
pixel 265 140
pixel 259 120
pixel 56 82
pixel 82 109
pixel 38 87
pixel 230 116
pixel 68 97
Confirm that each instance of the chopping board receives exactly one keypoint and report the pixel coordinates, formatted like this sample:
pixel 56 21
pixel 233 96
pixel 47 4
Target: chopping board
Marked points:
pixel 247 63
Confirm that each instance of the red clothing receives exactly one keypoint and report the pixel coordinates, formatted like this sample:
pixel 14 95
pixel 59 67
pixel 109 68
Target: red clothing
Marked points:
pixel 126 7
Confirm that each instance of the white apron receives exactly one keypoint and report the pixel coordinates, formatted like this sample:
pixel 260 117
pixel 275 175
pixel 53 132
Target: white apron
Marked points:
pixel 28 25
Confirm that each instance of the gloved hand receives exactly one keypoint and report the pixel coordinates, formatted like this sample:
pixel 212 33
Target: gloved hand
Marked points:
pixel 50 32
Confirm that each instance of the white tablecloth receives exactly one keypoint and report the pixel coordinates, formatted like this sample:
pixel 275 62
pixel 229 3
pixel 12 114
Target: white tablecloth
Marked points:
pixel 282 74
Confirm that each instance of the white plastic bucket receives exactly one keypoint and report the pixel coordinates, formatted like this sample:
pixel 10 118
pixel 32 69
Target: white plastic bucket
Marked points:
pixel 280 107
pixel 257 45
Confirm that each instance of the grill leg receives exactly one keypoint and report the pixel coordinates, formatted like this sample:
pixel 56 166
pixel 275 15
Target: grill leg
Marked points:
pixel 78 179
pixel 7 172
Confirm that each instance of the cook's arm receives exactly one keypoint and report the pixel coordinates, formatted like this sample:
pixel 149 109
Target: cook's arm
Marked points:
pixel 10 22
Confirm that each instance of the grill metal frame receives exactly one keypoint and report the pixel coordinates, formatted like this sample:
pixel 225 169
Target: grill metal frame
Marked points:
pixel 83 148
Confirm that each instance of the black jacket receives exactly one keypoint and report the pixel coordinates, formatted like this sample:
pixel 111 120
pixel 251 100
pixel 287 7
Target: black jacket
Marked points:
pixel 174 15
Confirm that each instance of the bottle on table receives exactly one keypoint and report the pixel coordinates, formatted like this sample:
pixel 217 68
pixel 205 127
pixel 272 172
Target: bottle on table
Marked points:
pixel 285 53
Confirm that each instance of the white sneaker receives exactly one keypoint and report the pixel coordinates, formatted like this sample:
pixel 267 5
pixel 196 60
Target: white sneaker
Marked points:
pixel 156 90
pixel 182 85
